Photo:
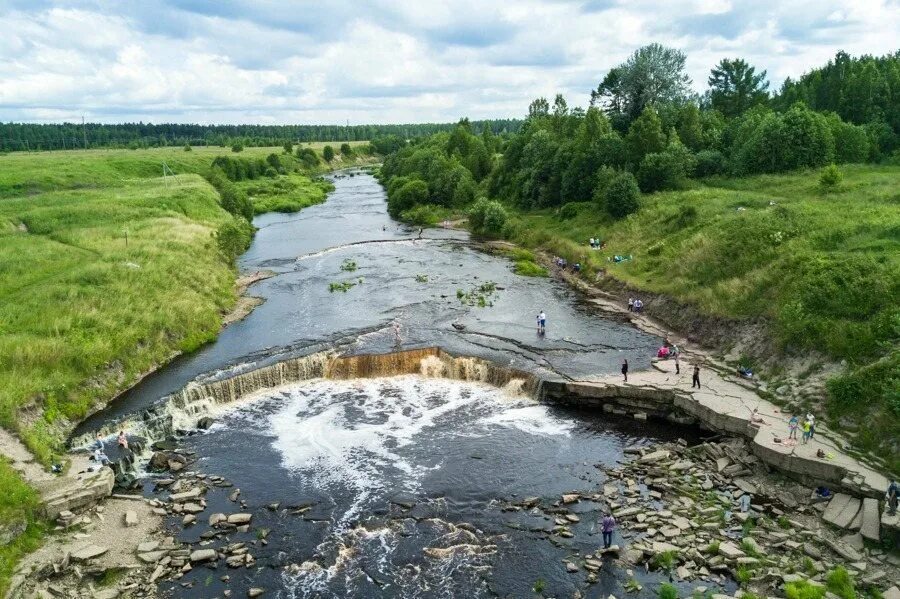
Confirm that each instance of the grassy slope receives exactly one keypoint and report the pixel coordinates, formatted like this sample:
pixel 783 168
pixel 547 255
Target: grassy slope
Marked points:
pixel 81 314
pixel 823 267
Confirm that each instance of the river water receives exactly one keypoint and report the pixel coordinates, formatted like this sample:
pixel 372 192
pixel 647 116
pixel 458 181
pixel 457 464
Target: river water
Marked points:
pixel 406 480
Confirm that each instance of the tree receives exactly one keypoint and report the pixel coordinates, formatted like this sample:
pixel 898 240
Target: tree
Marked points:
pixel 539 107
pixel 346 150
pixel 831 176
pixel 645 136
pixel 622 196
pixel 735 86
pixel 652 75
pixel 328 153
pixel 411 193
pixel 487 216
pixel 288 147
pixel 659 171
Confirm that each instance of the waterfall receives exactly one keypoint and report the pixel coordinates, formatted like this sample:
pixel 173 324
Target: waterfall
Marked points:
pixel 204 397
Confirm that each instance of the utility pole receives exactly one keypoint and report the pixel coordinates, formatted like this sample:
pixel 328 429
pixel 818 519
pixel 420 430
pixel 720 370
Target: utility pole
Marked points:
pixel 84 132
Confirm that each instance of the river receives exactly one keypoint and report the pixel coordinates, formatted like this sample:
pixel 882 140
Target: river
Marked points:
pixel 408 480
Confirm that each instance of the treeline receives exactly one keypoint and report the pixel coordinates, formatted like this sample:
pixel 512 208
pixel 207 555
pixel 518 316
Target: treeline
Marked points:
pixel 646 131
pixel 67 136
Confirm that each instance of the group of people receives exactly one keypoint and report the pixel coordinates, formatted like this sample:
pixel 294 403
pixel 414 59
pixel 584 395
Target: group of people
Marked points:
pixel 563 264
pixel 807 426
pixel 635 305
pixel 596 244
pixel 99 455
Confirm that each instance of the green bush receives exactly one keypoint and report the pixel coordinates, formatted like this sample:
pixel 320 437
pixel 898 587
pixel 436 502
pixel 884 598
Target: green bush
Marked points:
pixel 188 148
pixel 346 150
pixel 660 171
pixel 237 148
pixel 803 590
pixel 233 237
pixel 328 153
pixel 831 177
pixel 412 192
pixel 424 215
pixel 667 591
pixel 570 210
pixel 840 583
pixel 622 197
pixel 709 163
pixel 308 157
pixel 487 217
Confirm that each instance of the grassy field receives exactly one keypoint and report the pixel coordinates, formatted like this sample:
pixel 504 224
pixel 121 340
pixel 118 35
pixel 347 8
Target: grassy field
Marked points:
pixel 107 269
pixel 19 503
pixel 822 267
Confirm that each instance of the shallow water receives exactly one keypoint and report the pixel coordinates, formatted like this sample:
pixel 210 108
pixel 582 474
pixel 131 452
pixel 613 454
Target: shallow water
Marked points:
pixel 352 451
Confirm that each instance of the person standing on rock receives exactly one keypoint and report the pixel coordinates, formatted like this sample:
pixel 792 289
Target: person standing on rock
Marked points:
pixel 607 526
pixel 625 369
pixel 893 495
pixel 677 364
pixel 812 425
pixel 806 431
pixel 793 425
pixel 542 323
pixel 695 381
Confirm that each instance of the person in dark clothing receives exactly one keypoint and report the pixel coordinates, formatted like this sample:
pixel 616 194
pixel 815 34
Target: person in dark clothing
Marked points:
pixel 696 380
pixel 677 364
pixel 625 369
pixel 607 526
pixel 893 495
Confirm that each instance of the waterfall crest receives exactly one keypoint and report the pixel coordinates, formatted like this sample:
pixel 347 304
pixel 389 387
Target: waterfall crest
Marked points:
pixel 182 410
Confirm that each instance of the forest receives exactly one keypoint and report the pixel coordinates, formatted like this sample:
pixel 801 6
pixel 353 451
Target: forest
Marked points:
pixel 68 136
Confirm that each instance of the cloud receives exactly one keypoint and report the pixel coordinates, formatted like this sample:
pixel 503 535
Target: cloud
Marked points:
pixel 381 61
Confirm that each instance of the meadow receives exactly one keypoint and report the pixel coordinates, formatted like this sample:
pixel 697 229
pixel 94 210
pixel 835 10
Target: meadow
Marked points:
pixel 107 270
pixel 821 266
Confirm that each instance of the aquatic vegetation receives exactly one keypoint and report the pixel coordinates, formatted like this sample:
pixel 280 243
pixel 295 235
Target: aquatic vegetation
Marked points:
pixel 342 286
pixel 667 591
pixel 348 265
pixel 421 278
pixel 480 295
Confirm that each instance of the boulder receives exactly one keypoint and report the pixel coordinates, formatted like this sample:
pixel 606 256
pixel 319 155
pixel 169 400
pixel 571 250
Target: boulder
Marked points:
pixel 151 557
pixel 147 546
pixel 654 456
pixel 841 510
pixel 203 555
pixel 216 518
pixel 239 518
pixel 871 520
pixel 730 551
pixel 891 593
pixel 192 494
pixel 255 592
pixel 131 518
pixel 205 422
pixel 88 552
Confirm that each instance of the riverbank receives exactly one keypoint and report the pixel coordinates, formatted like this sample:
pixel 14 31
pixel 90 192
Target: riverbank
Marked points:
pixel 112 266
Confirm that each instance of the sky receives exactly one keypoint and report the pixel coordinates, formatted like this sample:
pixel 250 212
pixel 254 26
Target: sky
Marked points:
pixel 386 61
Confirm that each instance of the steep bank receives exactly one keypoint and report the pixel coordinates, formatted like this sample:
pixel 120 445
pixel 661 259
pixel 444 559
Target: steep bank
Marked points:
pixel 109 271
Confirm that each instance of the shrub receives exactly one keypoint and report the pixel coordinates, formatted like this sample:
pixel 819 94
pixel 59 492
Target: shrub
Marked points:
pixel 308 157
pixel 346 150
pixel 188 148
pixel 803 590
pixel 424 215
pixel 487 217
pixel 570 210
pixel 709 162
pixel 622 196
pixel 527 268
pixel 660 171
pixel 233 237
pixel 840 583
pixel 237 148
pixel 412 192
pixel 288 147
pixel 831 176
pixel 667 591
pixel 328 153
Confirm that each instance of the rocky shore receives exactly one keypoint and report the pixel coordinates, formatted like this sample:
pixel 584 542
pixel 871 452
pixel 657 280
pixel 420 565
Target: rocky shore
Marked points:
pixel 679 511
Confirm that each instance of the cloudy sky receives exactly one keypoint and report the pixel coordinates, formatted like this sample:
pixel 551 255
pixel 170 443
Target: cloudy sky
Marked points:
pixel 379 61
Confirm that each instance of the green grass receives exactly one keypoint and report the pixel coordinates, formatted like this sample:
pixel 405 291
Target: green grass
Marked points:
pixel 803 590
pixel 286 193
pixel 18 503
pixel 106 270
pixel 822 268
pixel 840 583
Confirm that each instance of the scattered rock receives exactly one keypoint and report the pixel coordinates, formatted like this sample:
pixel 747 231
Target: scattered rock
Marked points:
pixel 131 518
pixel 203 555
pixel 255 592
pixel 239 518
pixel 88 552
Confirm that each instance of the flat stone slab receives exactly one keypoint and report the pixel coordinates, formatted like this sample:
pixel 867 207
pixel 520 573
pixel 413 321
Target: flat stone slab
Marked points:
pixel 88 552
pixel 203 555
pixel 871 520
pixel 730 551
pixel 841 510
pixel 192 494
pixel 654 456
